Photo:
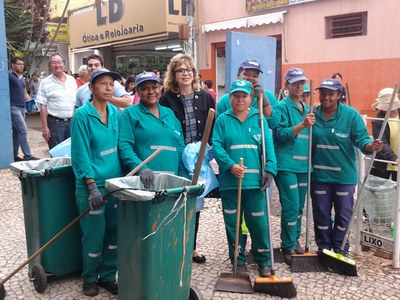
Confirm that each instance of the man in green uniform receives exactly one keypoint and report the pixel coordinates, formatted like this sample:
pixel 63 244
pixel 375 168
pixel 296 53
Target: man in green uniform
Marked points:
pixel 237 134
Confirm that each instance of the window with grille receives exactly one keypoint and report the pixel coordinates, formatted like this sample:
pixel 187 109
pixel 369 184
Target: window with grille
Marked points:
pixel 346 25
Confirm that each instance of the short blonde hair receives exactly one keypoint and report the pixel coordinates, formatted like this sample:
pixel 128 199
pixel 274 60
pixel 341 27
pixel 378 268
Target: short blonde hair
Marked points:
pixel 170 84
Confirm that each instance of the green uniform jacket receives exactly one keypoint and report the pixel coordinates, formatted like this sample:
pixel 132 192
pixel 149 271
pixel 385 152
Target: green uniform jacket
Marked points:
pixel 334 155
pixel 291 151
pixel 233 139
pixel 94 145
pixel 141 133
pixel 224 104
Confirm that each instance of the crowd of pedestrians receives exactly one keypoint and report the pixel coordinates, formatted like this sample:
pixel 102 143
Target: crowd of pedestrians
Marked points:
pixel 113 127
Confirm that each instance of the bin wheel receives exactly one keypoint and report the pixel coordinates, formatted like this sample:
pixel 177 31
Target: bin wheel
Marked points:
pixel 39 278
pixel 195 293
pixel 2 292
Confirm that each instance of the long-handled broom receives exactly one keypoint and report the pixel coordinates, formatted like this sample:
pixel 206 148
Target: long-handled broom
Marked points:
pixel 308 262
pixel 282 287
pixel 338 262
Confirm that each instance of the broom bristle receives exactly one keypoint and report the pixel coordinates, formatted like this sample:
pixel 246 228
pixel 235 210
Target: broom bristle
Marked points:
pixel 307 262
pixel 281 287
pixel 339 263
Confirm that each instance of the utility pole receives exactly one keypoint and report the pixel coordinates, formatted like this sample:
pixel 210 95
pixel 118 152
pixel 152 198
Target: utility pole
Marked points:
pixel 190 45
pixel 6 150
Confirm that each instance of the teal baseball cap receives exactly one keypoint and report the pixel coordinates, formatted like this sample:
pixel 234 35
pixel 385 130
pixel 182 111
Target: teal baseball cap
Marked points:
pixel 306 88
pixel 241 85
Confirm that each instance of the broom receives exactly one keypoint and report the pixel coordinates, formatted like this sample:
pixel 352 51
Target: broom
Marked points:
pixel 274 286
pixel 308 262
pixel 338 262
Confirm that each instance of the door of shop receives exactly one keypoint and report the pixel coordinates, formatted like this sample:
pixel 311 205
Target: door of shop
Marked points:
pixel 241 46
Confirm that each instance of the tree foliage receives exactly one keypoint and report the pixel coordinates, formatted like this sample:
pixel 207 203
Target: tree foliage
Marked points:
pixel 24 21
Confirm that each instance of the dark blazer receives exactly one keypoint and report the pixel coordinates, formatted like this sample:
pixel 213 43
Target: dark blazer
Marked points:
pixel 203 101
pixel 387 152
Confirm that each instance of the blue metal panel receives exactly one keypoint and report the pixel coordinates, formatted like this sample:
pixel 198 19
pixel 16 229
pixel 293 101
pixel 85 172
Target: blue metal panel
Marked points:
pixel 6 149
pixel 242 46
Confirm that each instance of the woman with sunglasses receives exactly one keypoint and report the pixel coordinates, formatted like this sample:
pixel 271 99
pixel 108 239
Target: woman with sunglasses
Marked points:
pixel 190 104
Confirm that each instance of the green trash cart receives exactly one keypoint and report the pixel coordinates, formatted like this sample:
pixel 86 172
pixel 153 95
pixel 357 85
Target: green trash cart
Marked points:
pixel 155 237
pixel 48 195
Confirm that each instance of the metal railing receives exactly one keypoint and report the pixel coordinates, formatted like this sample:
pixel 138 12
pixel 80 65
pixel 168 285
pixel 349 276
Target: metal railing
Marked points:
pixel 361 171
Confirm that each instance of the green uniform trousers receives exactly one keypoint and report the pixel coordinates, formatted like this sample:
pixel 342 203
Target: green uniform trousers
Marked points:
pixel 99 241
pixel 254 210
pixel 292 194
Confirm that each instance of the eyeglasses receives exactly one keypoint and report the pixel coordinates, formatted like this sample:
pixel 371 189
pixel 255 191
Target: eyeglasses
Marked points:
pixel 19 64
pixel 182 70
pixel 57 63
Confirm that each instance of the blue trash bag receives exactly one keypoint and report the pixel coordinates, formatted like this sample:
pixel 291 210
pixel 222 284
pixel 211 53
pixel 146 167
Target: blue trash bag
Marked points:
pixel 62 150
pixel 31 106
pixel 207 176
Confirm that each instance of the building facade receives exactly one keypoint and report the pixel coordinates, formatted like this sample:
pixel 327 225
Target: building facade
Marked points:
pixel 132 36
pixel 354 38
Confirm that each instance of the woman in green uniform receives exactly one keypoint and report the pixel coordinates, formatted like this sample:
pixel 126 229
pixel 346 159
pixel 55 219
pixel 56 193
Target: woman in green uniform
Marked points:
pixel 337 131
pixel 95 158
pixel 291 147
pixel 237 134
pixel 147 127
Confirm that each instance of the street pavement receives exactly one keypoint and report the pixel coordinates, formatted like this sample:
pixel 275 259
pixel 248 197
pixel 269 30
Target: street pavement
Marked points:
pixel 376 278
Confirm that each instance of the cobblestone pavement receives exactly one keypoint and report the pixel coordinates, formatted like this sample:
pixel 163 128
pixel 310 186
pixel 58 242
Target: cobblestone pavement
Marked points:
pixel 376 280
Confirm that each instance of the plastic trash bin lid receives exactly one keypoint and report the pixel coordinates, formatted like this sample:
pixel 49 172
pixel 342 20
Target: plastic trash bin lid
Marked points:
pixel 39 167
pixel 132 189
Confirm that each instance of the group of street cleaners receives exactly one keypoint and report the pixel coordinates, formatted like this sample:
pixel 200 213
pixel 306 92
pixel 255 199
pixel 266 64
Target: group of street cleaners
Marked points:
pixel 106 143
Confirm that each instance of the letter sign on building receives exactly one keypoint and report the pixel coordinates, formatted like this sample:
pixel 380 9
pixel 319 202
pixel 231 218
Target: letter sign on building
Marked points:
pixel 115 12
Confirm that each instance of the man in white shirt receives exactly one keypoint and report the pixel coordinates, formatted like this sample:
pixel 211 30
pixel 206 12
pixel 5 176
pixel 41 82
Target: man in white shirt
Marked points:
pixel 56 97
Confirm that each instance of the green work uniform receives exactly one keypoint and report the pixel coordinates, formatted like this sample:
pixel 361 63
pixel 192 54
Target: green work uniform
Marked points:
pixel 142 133
pixel 94 154
pixel 232 140
pixel 334 155
pixel 292 157
pixel 224 104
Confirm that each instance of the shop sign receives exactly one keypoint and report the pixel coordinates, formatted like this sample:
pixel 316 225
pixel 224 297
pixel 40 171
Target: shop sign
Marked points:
pixel 62 35
pixel 255 5
pixel 117 20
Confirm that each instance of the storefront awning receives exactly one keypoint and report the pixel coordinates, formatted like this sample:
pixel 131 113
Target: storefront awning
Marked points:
pixel 245 22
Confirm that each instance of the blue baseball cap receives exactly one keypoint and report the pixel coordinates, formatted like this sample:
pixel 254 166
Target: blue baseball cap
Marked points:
pixel 146 76
pixel 331 84
pixel 251 64
pixel 101 72
pixel 294 75
pixel 242 86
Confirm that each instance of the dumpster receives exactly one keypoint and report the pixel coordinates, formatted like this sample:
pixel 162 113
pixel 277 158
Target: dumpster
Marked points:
pixel 155 237
pixel 379 198
pixel 48 195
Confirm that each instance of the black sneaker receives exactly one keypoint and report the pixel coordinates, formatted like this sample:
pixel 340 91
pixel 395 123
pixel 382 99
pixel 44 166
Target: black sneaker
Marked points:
pixel 241 269
pixel 264 271
pixel 17 158
pixel 299 249
pixel 111 286
pixel 287 256
pixel 90 289
pixel 31 158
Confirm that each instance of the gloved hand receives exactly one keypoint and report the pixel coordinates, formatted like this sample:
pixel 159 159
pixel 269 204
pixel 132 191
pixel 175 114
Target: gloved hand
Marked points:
pixel 95 197
pixel 258 90
pixel 266 180
pixel 147 177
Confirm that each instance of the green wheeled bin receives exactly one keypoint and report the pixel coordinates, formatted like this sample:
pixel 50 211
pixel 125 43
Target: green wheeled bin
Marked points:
pixel 48 195
pixel 155 237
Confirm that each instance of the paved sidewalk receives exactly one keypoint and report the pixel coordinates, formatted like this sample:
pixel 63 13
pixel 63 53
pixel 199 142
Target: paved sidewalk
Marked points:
pixel 376 280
